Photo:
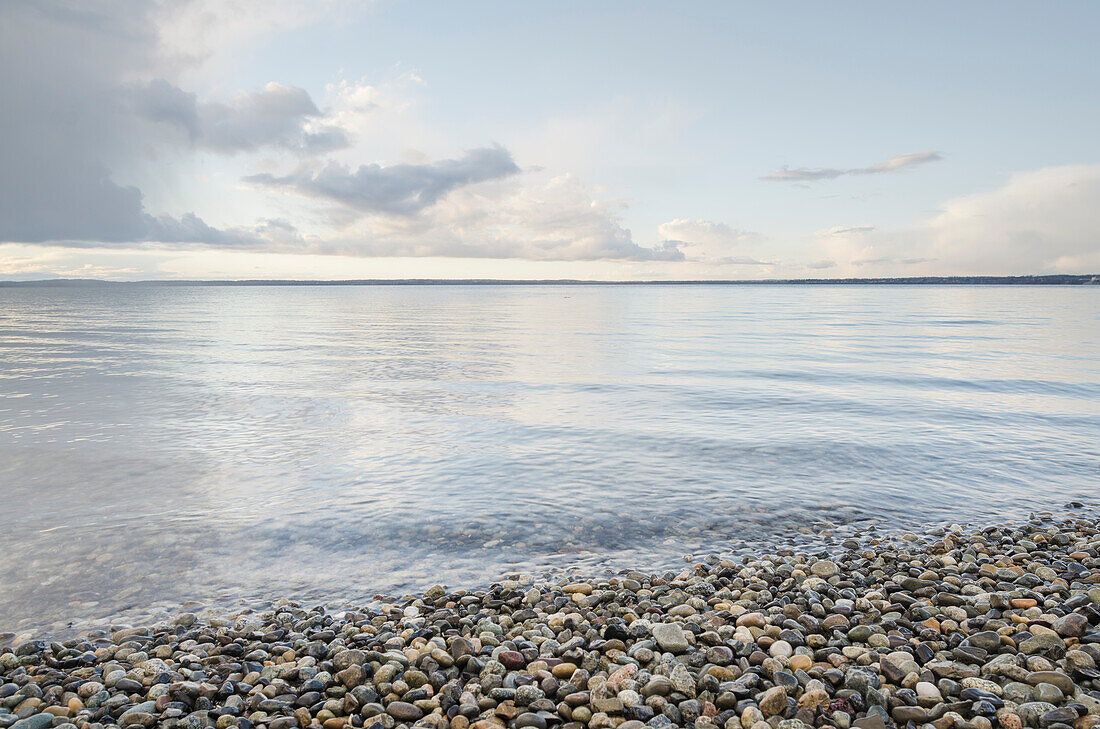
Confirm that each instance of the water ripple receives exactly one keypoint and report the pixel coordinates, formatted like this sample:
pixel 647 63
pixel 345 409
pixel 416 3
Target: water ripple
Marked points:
pixel 165 444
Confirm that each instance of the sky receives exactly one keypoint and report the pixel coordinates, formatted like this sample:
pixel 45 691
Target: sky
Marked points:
pixel 334 139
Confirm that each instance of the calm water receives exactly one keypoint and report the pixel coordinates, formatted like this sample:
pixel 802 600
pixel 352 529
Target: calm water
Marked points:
pixel 165 444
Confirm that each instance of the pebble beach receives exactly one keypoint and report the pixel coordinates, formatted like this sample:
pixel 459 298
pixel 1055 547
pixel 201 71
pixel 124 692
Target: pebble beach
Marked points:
pixel 543 365
pixel 956 628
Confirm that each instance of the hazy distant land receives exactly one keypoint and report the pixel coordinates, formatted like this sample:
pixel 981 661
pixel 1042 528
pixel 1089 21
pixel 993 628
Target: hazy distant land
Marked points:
pixel 1047 280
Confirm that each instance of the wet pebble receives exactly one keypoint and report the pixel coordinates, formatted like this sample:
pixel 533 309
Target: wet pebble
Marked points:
pixel 987 628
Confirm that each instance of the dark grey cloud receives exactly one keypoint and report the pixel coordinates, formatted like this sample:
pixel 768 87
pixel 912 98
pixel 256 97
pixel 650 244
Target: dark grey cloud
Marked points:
pixel 894 164
pixel 190 228
pixel 61 131
pixel 402 189
pixel 74 119
pixel 186 231
pixel 276 116
pixel 74 202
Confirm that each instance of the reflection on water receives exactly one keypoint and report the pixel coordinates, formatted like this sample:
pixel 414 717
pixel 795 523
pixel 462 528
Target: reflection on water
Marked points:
pixel 165 444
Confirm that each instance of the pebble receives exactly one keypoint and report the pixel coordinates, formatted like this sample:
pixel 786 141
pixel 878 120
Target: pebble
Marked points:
pixel 403 711
pixel 773 701
pixel 997 626
pixel 670 637
pixel 824 568
pixel 928 690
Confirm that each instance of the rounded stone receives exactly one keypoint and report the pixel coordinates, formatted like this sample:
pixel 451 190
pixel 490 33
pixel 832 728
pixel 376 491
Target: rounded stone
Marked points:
pixel 403 711
pixel 824 568
pixel 773 702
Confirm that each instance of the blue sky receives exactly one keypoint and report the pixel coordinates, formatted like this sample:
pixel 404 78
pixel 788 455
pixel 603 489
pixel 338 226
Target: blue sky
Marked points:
pixel 567 139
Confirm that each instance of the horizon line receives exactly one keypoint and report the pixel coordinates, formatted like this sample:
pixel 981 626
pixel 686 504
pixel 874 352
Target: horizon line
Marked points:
pixel 989 280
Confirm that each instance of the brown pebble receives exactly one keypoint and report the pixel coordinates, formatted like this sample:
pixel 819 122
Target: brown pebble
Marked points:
pixel 564 670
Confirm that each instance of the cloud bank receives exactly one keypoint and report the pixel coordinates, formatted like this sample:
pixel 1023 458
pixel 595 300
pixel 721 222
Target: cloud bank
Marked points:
pixel 1041 221
pixel 77 111
pixel 535 216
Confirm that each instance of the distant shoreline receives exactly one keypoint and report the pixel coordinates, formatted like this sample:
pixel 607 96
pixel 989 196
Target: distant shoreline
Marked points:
pixel 1047 280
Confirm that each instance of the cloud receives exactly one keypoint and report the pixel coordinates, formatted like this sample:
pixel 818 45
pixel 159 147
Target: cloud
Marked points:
pixel 534 216
pixel 899 162
pixel 94 90
pixel 78 104
pixel 785 174
pixel 187 231
pixel 401 189
pixel 94 208
pixel 705 240
pixel 277 116
pixel 846 247
pixel 703 232
pixel 1041 221
pixel 353 105
pixel 741 261
pixel 60 128
pixel 894 164
pixel 190 228
pixel 844 230
pixel 215 32
pixel 883 260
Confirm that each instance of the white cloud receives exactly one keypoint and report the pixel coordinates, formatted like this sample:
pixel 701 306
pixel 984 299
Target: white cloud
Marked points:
pixel 841 246
pixel 535 216
pixel 196 33
pixel 353 105
pixel 1044 220
pixel 708 241
pixel 1041 221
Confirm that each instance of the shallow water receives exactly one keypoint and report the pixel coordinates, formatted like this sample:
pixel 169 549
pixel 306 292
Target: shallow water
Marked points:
pixel 160 444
